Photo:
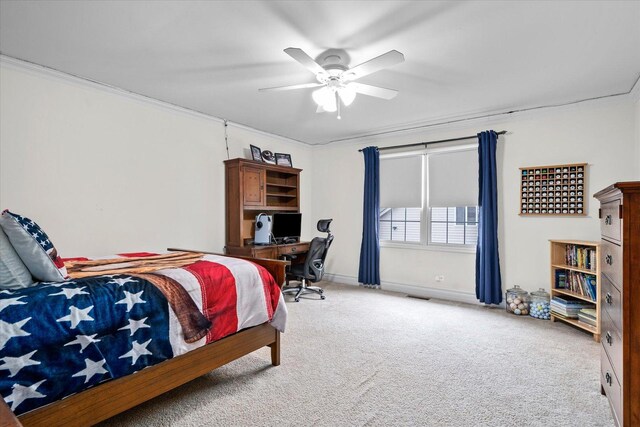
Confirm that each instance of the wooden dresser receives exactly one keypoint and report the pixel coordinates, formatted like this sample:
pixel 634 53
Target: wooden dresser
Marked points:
pixel 620 294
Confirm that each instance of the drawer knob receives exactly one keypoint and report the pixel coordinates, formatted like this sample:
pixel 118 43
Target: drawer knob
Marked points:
pixel 608 378
pixel 608 220
pixel 293 249
pixel 609 338
pixel 608 259
pixel 608 298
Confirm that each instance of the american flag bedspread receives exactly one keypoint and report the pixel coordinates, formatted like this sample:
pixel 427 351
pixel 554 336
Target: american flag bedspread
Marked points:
pixel 57 339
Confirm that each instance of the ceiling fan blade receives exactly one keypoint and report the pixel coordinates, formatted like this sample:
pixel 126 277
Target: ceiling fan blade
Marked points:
pixel 385 60
pixel 378 92
pixel 301 86
pixel 304 59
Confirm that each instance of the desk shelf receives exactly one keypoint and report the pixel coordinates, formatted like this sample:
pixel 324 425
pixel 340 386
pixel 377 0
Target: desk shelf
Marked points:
pixel 253 187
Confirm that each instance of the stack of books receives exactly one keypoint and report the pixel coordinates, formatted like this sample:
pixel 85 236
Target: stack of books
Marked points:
pixel 582 257
pixel 588 316
pixel 568 308
pixel 580 283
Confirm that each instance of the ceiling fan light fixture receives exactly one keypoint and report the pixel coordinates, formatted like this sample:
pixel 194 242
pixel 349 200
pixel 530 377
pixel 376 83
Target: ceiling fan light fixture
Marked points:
pixel 322 96
pixel 330 105
pixel 326 98
pixel 347 95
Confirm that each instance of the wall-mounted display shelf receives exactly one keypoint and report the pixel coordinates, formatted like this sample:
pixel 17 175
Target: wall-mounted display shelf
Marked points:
pixel 575 284
pixel 554 190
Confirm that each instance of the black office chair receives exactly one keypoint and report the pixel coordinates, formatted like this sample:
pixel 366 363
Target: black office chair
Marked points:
pixel 313 267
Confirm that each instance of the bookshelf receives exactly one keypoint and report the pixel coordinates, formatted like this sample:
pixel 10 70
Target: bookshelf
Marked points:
pixel 575 277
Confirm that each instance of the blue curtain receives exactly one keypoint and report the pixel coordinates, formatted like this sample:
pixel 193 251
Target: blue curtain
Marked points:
pixel 488 281
pixel 369 271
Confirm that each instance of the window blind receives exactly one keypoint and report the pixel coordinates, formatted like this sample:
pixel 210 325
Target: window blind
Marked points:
pixel 453 178
pixel 401 182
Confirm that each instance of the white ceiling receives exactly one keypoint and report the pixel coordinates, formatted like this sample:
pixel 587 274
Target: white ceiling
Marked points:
pixel 461 58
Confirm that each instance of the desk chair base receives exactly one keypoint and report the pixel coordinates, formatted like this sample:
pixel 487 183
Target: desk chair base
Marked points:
pixel 302 289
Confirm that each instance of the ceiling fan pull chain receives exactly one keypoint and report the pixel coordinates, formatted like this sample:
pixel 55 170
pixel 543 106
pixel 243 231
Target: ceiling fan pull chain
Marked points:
pixel 338 104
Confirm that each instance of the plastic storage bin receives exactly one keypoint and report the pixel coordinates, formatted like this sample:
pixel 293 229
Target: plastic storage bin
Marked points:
pixel 539 306
pixel 517 301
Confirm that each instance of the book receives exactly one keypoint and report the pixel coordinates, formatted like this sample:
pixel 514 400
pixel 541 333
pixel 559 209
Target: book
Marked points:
pixel 561 279
pixel 567 307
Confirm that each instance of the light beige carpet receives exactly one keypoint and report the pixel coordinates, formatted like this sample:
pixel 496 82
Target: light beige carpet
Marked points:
pixel 370 358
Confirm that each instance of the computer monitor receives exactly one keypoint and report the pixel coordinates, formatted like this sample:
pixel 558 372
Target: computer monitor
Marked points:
pixel 287 226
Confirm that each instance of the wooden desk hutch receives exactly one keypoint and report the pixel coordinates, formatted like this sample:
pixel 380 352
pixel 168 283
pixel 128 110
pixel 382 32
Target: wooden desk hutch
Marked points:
pixel 252 188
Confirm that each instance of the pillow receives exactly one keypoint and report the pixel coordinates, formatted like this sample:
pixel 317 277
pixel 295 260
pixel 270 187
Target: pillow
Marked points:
pixel 13 273
pixel 34 247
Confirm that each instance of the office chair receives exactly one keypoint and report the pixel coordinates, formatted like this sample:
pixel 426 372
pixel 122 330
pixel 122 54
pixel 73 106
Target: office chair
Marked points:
pixel 313 267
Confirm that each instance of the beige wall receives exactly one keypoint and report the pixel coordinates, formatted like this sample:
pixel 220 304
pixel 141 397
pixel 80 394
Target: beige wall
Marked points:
pixel 599 133
pixel 105 172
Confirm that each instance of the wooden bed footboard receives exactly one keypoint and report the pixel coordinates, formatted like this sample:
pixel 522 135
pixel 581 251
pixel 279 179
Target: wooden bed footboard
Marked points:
pixel 113 397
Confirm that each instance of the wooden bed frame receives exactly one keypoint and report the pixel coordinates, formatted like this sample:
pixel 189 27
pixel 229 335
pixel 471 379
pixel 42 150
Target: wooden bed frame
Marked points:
pixel 113 397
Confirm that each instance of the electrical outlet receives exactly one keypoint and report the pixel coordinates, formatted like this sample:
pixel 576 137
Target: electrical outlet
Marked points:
pixel 439 278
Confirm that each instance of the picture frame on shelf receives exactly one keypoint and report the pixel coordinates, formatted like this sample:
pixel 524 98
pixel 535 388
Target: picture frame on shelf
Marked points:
pixel 268 157
pixel 256 153
pixel 283 159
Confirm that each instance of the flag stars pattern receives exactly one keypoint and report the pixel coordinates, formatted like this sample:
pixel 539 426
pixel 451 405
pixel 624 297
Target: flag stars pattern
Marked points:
pixel 83 341
pixel 15 364
pixel 95 347
pixel 12 330
pixel 91 368
pixel 134 325
pixel 131 299
pixel 77 315
pixel 33 229
pixel 21 393
pixel 71 292
pixel 4 303
pixel 123 281
pixel 137 351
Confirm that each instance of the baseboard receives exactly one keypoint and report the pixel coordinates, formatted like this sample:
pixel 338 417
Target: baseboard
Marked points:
pixel 419 291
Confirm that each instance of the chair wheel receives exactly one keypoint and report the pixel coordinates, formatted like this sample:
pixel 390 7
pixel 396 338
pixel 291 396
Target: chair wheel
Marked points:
pixel 323 297
pixel 297 299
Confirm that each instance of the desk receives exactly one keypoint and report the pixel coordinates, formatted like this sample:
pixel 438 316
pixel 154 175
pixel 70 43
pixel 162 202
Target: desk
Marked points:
pixel 268 251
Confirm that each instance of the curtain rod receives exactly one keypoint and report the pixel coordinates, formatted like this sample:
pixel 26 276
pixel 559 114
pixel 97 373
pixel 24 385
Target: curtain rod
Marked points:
pixel 393 147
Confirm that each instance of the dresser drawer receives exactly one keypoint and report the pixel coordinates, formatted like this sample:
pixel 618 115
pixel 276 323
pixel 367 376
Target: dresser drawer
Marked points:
pixel 268 253
pixel 612 343
pixel 610 219
pixel 611 262
pixel 293 249
pixel 612 302
pixel 611 387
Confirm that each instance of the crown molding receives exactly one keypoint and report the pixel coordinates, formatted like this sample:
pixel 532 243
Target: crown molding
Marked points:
pixel 469 120
pixel 42 70
pixel 438 124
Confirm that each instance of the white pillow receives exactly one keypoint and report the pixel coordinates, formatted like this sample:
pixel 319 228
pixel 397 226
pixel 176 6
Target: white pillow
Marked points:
pixel 34 247
pixel 13 273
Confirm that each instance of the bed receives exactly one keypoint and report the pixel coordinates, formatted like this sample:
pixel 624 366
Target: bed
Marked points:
pixel 155 322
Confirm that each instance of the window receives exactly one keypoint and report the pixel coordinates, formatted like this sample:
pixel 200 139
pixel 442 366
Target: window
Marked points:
pixel 454 226
pixel 444 183
pixel 400 224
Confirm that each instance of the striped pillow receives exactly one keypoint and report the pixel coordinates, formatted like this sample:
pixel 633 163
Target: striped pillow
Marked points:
pixel 34 247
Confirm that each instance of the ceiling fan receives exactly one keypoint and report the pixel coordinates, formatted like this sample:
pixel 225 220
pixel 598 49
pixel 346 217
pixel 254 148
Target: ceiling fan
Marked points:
pixel 336 82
